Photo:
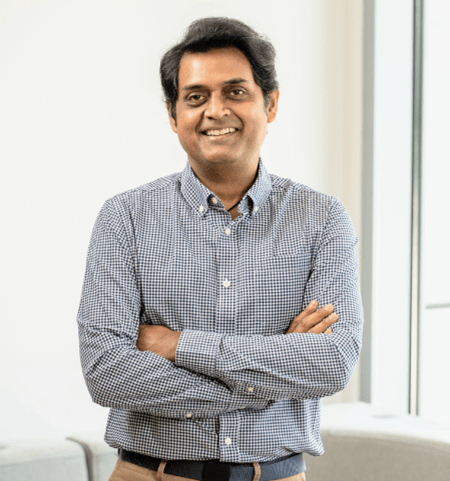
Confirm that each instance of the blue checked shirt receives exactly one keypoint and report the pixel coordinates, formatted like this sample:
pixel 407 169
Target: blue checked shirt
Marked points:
pixel 240 390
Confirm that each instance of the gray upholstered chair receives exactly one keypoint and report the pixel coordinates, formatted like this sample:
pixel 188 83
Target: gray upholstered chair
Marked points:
pixel 42 460
pixel 364 443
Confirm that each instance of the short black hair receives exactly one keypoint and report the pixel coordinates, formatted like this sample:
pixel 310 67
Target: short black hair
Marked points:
pixel 220 32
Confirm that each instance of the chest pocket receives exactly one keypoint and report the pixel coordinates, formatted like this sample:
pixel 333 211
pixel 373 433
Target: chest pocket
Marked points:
pixel 278 283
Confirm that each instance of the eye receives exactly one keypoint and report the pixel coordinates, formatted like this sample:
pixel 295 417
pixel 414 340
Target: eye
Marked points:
pixel 237 92
pixel 195 99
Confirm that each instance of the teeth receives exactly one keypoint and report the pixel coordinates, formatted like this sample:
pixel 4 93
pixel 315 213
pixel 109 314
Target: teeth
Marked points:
pixel 220 132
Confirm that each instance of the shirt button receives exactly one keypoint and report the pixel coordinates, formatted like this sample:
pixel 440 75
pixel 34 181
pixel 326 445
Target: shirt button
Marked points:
pixel 214 200
pixel 227 231
pixel 226 283
pixel 201 209
pixel 255 209
pixel 227 441
pixel 250 389
pixel 188 415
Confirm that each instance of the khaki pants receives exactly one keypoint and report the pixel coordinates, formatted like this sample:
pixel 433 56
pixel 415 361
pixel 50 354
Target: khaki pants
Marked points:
pixel 130 472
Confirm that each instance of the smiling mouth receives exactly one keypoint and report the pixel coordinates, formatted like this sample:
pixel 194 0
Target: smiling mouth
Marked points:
pixel 218 133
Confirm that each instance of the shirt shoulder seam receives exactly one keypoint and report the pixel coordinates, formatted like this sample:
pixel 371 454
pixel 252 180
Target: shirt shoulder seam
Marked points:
pixel 151 187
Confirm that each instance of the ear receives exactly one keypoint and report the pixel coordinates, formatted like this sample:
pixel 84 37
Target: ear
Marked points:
pixel 173 122
pixel 272 108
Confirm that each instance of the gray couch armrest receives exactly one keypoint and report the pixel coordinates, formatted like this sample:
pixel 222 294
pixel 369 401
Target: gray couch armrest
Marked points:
pixel 101 458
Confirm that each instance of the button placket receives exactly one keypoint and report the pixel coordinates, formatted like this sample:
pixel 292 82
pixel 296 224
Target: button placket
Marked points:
pixel 229 435
pixel 226 269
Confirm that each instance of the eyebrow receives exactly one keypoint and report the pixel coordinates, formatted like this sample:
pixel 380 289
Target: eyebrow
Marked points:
pixel 232 81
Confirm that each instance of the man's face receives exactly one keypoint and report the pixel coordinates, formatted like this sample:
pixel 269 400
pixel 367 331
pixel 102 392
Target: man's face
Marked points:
pixel 221 116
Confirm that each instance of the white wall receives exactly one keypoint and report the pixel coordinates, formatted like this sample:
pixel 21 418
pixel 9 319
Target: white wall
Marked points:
pixel 81 119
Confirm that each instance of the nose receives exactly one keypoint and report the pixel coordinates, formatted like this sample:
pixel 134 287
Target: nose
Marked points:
pixel 216 107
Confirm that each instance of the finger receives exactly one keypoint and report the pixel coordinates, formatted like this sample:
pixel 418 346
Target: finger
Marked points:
pixel 306 323
pixel 328 331
pixel 319 315
pixel 310 308
pixel 324 324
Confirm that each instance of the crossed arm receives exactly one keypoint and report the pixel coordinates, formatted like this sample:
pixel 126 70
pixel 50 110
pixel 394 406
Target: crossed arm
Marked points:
pixel 163 341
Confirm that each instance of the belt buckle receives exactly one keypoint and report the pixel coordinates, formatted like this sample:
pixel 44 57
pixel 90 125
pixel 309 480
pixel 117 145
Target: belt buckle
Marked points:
pixel 216 471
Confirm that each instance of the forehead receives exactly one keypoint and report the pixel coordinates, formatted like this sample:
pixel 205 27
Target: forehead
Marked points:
pixel 213 67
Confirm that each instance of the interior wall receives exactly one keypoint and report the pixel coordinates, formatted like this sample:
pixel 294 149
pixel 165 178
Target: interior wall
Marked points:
pixel 81 119
pixel 347 167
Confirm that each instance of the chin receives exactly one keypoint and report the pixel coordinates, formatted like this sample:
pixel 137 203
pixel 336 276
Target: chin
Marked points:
pixel 215 160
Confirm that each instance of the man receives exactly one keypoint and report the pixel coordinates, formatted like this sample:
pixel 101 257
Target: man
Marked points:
pixel 189 321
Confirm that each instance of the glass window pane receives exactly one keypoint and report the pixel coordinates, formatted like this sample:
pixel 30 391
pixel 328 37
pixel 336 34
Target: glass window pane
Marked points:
pixel 435 279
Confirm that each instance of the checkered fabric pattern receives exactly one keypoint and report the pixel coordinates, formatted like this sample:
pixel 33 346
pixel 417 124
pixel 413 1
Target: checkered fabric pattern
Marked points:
pixel 240 390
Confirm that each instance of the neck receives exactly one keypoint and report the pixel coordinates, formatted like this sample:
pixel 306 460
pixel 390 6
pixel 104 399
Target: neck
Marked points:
pixel 228 183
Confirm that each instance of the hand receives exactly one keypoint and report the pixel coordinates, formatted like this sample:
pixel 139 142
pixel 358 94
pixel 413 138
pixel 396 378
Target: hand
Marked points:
pixel 314 320
pixel 158 339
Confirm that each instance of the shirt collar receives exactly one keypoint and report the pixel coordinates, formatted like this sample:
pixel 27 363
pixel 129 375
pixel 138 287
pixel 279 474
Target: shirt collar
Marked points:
pixel 260 189
pixel 200 197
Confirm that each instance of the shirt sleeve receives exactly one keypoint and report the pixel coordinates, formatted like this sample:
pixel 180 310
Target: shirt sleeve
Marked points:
pixel 294 366
pixel 117 374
